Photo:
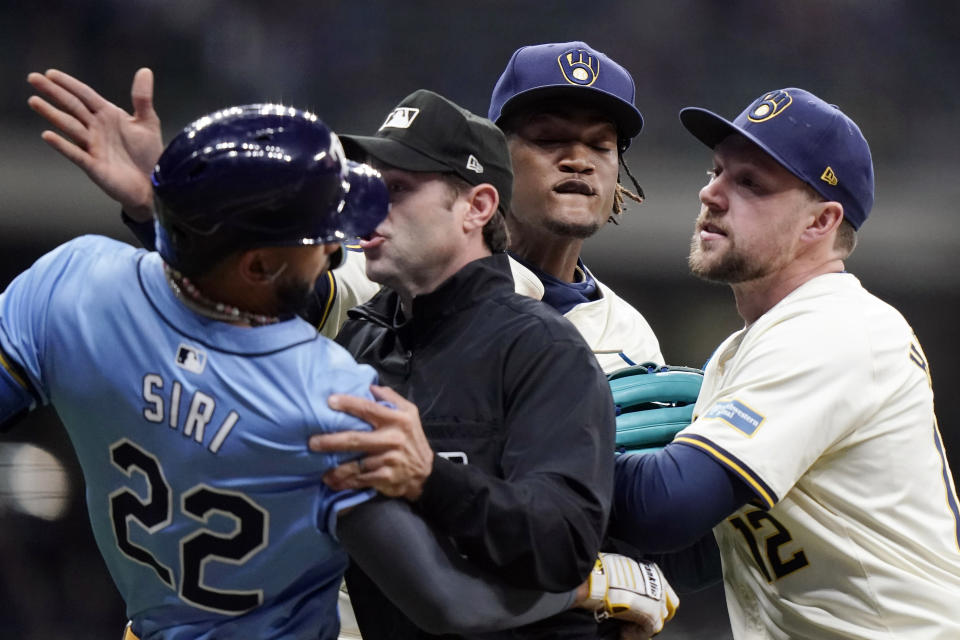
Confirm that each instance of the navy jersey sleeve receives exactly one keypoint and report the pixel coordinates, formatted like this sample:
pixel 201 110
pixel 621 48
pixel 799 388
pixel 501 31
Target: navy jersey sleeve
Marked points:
pixel 541 523
pixel 666 501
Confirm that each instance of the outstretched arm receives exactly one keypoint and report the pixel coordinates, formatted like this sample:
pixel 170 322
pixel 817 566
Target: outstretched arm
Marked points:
pixel 442 592
pixel 116 149
pixel 426 578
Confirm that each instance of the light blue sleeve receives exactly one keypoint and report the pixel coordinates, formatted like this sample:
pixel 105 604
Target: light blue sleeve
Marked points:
pixel 25 311
pixel 349 378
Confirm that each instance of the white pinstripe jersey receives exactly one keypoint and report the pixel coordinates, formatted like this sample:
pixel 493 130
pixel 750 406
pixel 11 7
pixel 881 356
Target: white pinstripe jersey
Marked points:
pixel 824 407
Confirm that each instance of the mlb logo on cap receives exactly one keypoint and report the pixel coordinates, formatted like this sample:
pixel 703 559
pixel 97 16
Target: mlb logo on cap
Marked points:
pixel 400 118
pixel 427 132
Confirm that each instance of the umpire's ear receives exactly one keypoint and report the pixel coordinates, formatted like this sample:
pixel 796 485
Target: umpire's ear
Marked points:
pixel 483 200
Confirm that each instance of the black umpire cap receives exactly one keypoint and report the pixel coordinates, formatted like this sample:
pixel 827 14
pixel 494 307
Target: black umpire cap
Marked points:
pixel 427 132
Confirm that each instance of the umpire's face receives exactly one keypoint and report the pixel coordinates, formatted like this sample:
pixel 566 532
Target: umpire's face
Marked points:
pixel 422 236
pixel 565 164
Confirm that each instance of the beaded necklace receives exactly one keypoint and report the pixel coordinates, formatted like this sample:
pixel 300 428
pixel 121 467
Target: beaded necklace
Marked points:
pixel 188 293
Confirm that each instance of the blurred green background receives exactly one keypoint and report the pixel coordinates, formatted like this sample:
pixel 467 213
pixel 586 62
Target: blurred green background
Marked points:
pixel 889 64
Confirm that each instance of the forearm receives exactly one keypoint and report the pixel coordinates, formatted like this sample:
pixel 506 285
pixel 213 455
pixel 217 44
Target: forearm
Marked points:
pixel 668 500
pixel 429 581
pixel 540 530
pixel 694 568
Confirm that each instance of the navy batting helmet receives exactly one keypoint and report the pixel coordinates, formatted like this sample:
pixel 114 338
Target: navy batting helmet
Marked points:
pixel 257 175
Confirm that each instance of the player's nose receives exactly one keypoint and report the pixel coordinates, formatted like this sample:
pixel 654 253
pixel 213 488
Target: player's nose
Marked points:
pixel 575 158
pixel 712 196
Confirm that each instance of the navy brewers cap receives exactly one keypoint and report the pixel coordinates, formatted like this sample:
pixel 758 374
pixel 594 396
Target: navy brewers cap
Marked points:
pixel 812 139
pixel 567 70
pixel 427 132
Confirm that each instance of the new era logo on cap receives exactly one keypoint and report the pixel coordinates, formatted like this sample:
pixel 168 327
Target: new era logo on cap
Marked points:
pixel 829 177
pixel 473 164
pixel 400 118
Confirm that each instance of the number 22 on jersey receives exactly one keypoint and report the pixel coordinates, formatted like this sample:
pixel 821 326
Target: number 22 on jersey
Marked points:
pixel 153 514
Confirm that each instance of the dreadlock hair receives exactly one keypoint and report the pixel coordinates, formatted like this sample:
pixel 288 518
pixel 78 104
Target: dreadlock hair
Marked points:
pixel 623 193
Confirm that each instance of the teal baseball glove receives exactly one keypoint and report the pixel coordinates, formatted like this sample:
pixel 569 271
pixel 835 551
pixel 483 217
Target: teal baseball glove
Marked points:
pixel 653 403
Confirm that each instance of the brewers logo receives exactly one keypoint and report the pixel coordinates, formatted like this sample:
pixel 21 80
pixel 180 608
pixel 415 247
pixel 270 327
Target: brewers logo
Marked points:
pixel 579 66
pixel 769 106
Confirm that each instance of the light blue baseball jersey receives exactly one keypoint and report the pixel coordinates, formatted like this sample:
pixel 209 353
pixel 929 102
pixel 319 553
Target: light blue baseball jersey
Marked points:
pixel 205 502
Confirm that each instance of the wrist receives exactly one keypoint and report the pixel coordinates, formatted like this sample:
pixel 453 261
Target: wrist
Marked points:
pixel 592 593
pixel 138 213
pixel 416 487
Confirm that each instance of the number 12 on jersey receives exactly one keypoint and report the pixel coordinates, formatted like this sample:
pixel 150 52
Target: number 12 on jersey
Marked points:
pixel 768 558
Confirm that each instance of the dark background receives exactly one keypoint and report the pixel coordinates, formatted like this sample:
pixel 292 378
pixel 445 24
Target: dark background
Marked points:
pixel 891 65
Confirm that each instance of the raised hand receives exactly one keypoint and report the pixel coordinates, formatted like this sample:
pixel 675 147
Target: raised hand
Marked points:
pixel 115 149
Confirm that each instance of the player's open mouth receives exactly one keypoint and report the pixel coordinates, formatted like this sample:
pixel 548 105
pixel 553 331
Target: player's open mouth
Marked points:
pixel 574 186
pixel 708 230
pixel 372 240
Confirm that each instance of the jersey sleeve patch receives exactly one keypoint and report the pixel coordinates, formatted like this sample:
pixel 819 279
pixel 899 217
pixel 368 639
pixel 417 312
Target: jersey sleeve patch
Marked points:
pixel 736 466
pixel 737 415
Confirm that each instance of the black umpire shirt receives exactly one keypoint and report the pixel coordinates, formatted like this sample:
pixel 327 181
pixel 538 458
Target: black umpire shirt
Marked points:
pixel 521 420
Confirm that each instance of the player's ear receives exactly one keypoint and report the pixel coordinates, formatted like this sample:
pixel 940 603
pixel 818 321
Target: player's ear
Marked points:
pixel 257 266
pixel 482 200
pixel 826 219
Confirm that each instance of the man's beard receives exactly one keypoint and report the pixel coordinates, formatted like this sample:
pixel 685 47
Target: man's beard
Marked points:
pixel 732 267
pixel 293 296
